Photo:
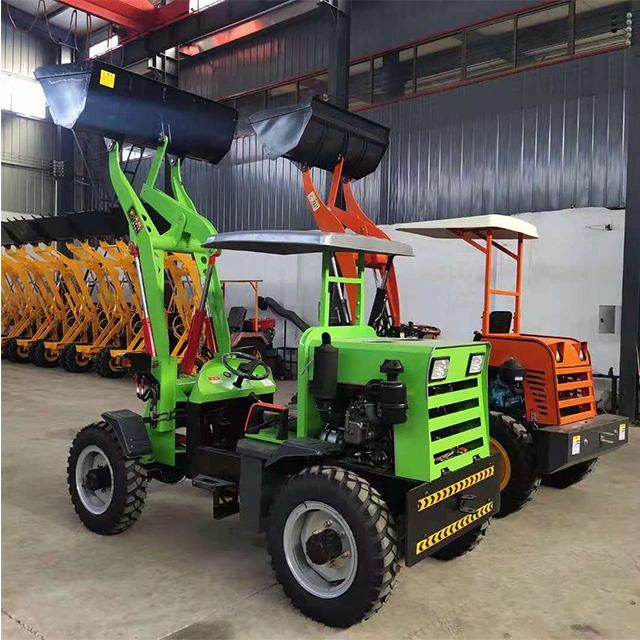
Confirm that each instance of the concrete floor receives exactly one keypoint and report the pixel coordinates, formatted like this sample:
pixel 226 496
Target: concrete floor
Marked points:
pixel 566 567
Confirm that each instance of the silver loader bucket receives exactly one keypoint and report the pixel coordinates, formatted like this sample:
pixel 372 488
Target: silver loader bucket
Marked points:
pixel 315 133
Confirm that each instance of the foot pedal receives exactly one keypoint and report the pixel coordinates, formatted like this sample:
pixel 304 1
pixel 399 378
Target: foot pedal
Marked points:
pixel 225 495
pixel 209 483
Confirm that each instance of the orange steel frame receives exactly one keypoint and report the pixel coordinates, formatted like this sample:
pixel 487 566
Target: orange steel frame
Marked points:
pixel 555 392
pixel 487 249
pixel 330 217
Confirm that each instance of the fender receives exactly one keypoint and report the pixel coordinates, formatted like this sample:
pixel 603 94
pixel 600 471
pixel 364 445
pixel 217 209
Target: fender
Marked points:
pixel 131 431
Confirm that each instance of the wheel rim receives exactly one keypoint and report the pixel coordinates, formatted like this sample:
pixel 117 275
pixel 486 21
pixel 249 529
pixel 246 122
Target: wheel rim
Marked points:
pixel 505 463
pixel 94 495
pixel 80 359
pixel 313 519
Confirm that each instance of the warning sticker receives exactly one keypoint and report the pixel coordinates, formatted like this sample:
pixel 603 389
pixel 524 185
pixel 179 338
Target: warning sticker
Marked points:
pixel 622 431
pixel 313 200
pixel 575 446
pixel 268 383
pixel 214 379
pixel 107 79
pixel 134 219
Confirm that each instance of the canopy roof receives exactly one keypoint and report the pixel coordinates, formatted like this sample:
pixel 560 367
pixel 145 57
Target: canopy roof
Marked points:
pixel 297 242
pixel 502 227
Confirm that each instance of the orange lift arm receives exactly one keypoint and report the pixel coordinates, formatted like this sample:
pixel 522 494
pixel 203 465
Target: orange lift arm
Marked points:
pixel 330 217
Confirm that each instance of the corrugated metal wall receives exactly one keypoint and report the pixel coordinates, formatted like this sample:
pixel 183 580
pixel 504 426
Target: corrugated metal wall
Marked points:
pixel 540 140
pixel 295 49
pixel 27 145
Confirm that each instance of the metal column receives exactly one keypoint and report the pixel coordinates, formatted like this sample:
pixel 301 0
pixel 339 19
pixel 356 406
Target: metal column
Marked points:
pixel 630 325
pixel 339 57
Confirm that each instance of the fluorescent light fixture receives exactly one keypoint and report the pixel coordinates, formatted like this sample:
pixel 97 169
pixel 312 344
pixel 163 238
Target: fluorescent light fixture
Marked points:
pixel 198 5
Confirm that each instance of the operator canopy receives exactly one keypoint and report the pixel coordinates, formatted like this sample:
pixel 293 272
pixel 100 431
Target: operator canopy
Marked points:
pixel 95 96
pixel 298 242
pixel 501 227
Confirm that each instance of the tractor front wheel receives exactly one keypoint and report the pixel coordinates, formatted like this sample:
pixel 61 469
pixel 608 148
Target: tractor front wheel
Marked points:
pixel 569 476
pixel 464 544
pixel 41 356
pixel 73 361
pixel 334 545
pixel 14 352
pixel 518 478
pixel 107 489
pixel 107 367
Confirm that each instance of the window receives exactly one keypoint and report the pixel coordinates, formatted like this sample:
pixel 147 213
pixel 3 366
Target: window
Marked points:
pixel 601 25
pixel 131 152
pixel 282 95
pixel 490 48
pixel 103 47
pixel 360 84
pixel 393 75
pixel 251 103
pixel 543 35
pixel 316 85
pixel 23 96
pixel 438 63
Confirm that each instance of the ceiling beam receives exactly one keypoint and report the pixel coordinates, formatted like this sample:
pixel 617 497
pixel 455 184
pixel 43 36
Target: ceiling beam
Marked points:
pixel 190 28
pixel 37 25
pixel 137 16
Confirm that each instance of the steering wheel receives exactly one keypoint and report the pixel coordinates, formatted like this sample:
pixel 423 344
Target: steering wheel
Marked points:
pixel 246 368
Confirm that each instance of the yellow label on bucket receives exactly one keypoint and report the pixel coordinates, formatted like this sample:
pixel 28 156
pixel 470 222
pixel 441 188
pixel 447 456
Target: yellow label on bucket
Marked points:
pixel 107 78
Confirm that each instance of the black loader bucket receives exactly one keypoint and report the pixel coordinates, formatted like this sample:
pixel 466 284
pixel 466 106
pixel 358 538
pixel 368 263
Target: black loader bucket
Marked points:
pixel 82 225
pixel 316 133
pixel 118 104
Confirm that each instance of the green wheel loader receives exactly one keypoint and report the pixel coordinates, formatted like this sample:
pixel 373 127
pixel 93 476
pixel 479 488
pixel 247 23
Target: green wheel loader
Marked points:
pixel 383 457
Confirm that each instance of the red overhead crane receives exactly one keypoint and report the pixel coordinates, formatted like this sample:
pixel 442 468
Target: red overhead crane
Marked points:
pixel 138 16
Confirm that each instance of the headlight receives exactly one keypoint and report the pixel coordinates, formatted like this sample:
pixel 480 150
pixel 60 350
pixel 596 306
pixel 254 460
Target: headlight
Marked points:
pixel 439 369
pixel 582 355
pixel 476 360
pixel 558 355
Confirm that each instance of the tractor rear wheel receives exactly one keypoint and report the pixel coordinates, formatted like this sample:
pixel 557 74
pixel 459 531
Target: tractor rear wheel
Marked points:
pixel 106 366
pixel 518 478
pixel 14 352
pixel 41 356
pixel 569 476
pixel 333 545
pixel 75 362
pixel 107 489
pixel 464 544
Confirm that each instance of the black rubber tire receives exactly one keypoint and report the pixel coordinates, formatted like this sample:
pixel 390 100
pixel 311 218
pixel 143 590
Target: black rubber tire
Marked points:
pixel 466 543
pixel 37 352
pixel 104 367
pixel 519 445
pixel 569 476
pixel 69 362
pixel 12 352
pixel 129 480
pixel 375 535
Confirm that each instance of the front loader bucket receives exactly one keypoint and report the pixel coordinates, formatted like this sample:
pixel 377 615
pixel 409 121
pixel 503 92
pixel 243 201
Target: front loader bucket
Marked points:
pixel 316 133
pixel 125 106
